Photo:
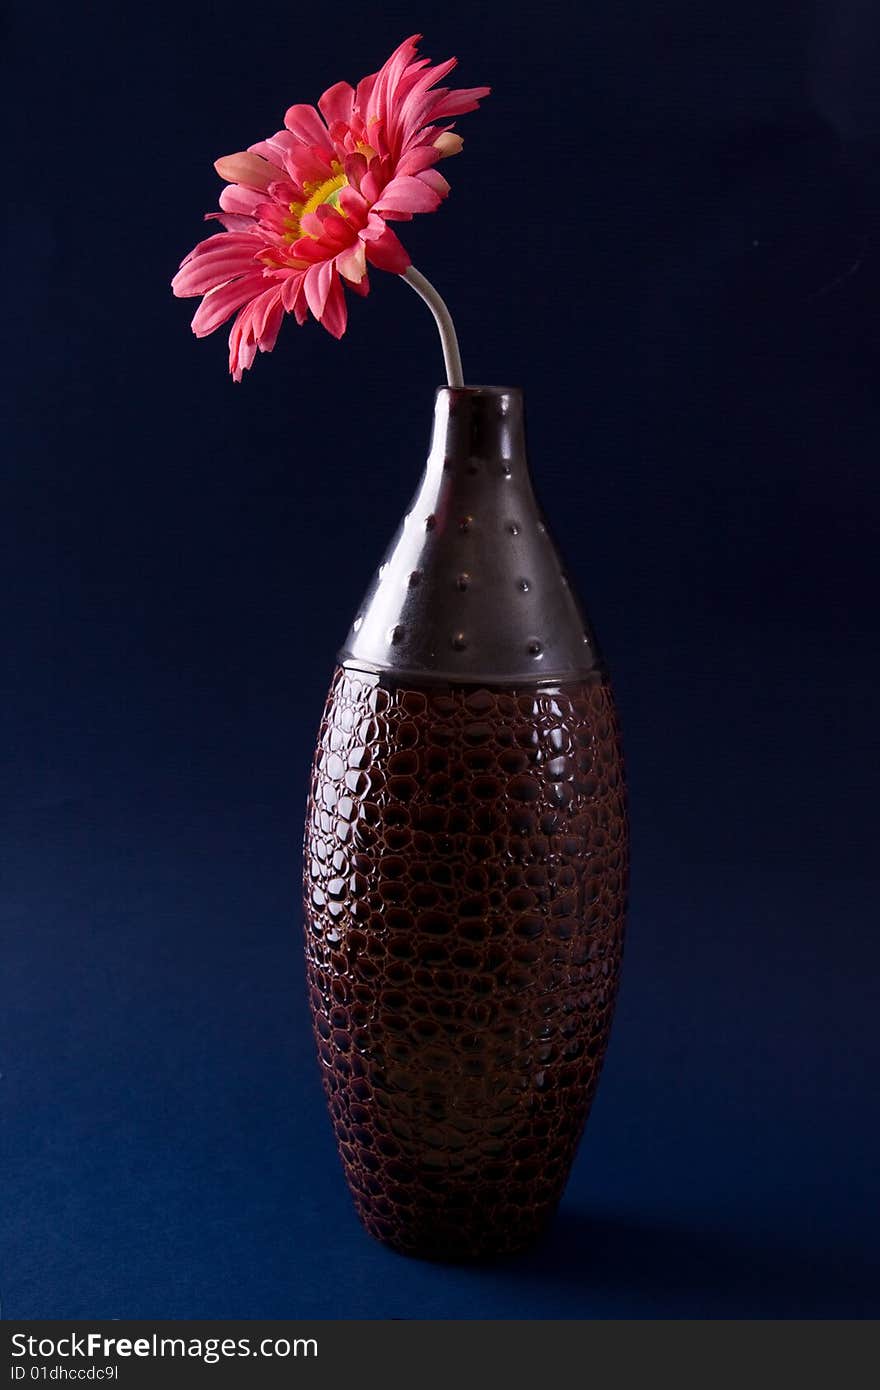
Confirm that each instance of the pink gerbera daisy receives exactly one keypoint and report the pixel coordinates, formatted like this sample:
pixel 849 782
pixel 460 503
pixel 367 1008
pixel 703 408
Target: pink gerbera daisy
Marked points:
pixel 307 210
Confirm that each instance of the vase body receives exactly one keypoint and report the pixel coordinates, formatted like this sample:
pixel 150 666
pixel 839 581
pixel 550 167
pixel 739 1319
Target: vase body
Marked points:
pixel 465 866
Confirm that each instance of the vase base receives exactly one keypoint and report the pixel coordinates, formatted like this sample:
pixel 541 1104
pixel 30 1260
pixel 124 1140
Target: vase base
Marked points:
pixel 483 1246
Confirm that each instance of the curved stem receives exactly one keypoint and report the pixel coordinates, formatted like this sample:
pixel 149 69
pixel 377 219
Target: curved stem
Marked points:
pixel 451 354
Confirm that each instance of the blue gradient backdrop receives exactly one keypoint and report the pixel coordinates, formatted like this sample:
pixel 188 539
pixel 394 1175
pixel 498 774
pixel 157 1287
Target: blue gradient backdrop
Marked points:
pixel 665 226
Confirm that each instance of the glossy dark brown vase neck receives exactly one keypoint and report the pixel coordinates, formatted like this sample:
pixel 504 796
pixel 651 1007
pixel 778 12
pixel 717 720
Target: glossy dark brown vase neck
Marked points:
pixel 472 587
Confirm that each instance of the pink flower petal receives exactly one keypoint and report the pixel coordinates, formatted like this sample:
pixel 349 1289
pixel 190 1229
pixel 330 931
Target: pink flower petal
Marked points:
pixel 241 353
pixel 337 102
pixel 354 206
pixel 362 287
pixel 336 230
pixel 311 250
pixel 283 149
pixel 355 166
pixel 238 199
pixel 457 102
pixel 204 274
pixel 407 195
pixel 306 123
pixel 272 326
pixel 274 217
pixel 256 326
pixel 371 185
pixel 411 107
pixel 352 264
pixel 435 181
pixel 387 253
pixel 216 307
pixel 267 316
pixel 233 222
pixel 250 169
pixel 363 93
pixel 221 241
pixel 291 291
pixel 448 144
pixel 317 286
pixel 310 226
pixel 418 158
pixel 335 315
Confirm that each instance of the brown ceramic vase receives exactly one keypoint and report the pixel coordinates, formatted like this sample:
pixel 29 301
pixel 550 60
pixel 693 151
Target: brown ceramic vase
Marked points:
pixel 465 860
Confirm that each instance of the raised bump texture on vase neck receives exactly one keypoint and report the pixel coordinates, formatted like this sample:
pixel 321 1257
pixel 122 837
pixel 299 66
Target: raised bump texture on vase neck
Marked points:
pixel 472 587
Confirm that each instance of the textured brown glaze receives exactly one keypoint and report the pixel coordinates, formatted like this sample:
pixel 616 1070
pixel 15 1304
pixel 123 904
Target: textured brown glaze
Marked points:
pixel 465 886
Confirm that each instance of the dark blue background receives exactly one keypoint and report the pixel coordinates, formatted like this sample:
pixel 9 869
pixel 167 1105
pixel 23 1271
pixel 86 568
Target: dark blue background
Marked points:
pixel 665 226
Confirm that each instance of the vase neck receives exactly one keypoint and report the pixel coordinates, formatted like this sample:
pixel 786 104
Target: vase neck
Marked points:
pixel 479 433
pixel 471 588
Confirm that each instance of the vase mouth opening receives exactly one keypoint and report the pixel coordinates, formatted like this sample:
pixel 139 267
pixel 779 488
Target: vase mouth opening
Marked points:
pixel 480 402
pixel 479 390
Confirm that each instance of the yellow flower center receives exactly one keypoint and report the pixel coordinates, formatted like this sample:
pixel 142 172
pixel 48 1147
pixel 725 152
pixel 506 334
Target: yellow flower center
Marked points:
pixel 326 192
pixel 317 194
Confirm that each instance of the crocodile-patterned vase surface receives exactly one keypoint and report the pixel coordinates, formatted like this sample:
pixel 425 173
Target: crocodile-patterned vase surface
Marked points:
pixel 465 886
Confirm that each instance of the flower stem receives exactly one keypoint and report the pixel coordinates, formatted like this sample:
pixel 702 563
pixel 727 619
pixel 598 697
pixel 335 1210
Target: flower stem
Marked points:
pixel 451 354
